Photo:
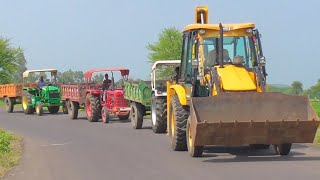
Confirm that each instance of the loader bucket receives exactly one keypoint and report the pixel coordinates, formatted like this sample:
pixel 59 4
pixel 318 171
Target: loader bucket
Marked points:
pixel 252 118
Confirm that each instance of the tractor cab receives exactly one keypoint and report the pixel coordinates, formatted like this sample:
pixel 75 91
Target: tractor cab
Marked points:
pixel 161 72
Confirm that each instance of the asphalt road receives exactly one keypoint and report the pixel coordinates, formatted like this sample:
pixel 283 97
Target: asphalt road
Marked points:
pixel 57 148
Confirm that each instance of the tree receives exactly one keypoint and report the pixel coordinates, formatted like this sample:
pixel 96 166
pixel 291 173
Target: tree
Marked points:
pixel 168 47
pixel 98 78
pixel 71 77
pixel 297 87
pixel 313 91
pixel 21 62
pixel 12 62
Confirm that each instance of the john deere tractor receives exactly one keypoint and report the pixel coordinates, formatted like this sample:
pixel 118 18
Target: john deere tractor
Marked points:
pixel 35 98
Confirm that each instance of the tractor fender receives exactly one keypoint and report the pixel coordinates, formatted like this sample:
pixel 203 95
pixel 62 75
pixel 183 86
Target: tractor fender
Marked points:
pixel 180 92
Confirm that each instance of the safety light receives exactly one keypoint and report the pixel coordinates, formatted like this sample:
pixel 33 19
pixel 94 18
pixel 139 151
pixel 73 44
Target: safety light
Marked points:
pixel 202 31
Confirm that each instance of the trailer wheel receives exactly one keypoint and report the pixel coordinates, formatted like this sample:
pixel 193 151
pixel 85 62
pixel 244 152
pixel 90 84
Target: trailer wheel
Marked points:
pixel 259 146
pixel 9 102
pixel 136 115
pixel 124 117
pixel 105 115
pixel 73 108
pixel 53 109
pixel 26 98
pixel 64 107
pixel 39 109
pixel 178 121
pixel 159 114
pixel 194 151
pixel 283 149
pixel 93 108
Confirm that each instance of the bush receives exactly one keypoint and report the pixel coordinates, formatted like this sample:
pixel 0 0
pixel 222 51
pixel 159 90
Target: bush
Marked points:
pixel 5 139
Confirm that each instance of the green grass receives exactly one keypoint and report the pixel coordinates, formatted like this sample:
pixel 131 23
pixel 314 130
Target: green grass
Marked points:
pixel 1 103
pixel 316 106
pixel 10 151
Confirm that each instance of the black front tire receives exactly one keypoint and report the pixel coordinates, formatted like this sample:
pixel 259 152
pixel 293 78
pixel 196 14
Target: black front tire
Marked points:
pixel 9 102
pixel 194 151
pixel 39 109
pixel 178 133
pixel 105 115
pixel 27 97
pixel 283 149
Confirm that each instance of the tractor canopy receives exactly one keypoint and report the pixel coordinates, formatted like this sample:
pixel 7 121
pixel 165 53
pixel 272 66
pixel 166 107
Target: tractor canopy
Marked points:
pixel 123 71
pixel 53 72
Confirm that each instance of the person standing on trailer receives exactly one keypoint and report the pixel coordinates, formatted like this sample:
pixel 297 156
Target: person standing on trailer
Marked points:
pixel 105 86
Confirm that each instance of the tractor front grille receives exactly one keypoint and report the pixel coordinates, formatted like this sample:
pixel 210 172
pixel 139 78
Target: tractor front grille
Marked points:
pixel 54 95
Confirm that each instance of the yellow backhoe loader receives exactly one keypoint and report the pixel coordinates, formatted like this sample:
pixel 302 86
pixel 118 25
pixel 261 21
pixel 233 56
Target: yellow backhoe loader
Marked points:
pixel 221 97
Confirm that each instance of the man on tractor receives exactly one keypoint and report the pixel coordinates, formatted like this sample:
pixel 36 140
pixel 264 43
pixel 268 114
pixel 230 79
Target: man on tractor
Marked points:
pixel 41 83
pixel 105 85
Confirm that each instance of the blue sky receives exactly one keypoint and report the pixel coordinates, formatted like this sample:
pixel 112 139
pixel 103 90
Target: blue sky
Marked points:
pixel 79 34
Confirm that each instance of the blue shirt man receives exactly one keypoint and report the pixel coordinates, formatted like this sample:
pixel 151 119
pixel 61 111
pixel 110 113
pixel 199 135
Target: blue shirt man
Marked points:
pixel 41 83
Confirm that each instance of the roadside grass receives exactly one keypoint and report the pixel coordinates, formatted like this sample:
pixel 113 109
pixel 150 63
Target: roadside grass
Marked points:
pixel 10 151
pixel 316 106
pixel 1 103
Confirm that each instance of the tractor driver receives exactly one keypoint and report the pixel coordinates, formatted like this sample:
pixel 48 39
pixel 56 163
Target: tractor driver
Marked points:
pixel 213 57
pixel 105 86
pixel 41 83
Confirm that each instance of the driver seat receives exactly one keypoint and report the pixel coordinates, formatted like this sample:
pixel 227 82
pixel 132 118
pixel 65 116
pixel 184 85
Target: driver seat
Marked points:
pixel 213 57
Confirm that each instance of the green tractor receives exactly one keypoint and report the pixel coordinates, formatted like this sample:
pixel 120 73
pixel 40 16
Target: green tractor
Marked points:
pixel 35 98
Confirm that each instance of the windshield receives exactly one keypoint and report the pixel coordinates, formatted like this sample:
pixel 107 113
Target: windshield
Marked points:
pixel 164 73
pixel 235 49
pixel 34 77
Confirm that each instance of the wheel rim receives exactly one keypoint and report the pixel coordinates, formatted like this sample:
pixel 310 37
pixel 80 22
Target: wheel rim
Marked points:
pixel 24 102
pixel 190 140
pixel 133 114
pixel 88 108
pixel 153 114
pixel 172 124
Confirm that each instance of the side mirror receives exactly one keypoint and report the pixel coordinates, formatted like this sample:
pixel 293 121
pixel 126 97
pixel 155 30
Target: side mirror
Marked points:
pixel 262 61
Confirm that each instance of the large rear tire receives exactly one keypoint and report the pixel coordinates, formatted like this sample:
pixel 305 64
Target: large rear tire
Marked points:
pixel 194 151
pixel 73 109
pixel 136 115
pixel 178 121
pixel 9 102
pixel 53 109
pixel 159 114
pixel 26 98
pixel 93 108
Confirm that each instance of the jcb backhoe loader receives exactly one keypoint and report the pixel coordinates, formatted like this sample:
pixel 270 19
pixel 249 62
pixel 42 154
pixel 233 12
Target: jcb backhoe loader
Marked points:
pixel 221 97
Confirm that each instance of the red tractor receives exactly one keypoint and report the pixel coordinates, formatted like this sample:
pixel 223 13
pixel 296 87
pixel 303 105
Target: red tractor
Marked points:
pixel 97 103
